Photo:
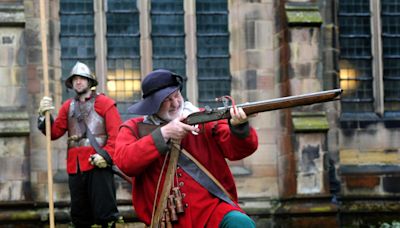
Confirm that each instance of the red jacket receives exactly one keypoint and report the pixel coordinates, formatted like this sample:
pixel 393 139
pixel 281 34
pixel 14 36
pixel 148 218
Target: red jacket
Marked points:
pixel 106 108
pixel 142 160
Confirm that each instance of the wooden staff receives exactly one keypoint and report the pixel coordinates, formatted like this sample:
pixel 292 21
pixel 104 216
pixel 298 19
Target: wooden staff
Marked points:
pixel 43 32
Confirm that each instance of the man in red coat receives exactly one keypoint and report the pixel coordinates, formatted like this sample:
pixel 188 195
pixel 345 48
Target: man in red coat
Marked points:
pixel 145 157
pixel 91 180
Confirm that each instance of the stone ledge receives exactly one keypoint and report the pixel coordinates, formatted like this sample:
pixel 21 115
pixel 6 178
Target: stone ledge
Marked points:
pixel 14 123
pixel 381 156
pixel 368 169
pixel 37 212
pixel 12 15
pixel 303 14
pixel 310 122
pixel 36 215
pixel 370 205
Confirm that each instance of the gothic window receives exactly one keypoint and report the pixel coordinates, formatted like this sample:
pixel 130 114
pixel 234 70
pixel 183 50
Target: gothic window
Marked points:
pixel 214 79
pixel 123 53
pixel 369 37
pixel 111 39
pixel 168 36
pixel 76 36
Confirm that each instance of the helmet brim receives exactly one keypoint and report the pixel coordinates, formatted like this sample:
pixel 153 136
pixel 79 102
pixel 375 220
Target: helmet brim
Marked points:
pixel 68 82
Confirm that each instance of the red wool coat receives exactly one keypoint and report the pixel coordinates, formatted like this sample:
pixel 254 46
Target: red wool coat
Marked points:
pixel 141 159
pixel 106 108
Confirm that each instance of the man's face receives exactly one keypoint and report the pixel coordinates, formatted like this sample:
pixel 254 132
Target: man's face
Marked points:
pixel 80 84
pixel 171 107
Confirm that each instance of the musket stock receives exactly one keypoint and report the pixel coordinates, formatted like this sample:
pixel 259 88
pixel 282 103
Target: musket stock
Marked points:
pixel 264 106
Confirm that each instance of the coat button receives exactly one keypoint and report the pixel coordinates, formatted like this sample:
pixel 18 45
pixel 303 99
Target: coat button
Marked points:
pixel 181 184
pixel 179 174
pixel 186 205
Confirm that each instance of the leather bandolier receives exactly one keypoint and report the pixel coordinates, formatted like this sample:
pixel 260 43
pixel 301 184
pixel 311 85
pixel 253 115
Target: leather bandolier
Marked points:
pixel 96 124
pixel 172 207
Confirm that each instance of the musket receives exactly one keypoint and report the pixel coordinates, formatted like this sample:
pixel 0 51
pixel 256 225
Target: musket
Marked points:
pixel 209 115
pixel 213 114
pixel 250 108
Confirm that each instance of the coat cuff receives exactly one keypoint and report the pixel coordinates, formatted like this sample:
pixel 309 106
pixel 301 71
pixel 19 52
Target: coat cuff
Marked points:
pixel 241 130
pixel 159 142
pixel 42 123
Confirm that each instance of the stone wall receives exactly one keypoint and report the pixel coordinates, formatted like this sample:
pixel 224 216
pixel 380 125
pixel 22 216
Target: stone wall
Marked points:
pixel 14 119
pixel 278 48
pixel 253 61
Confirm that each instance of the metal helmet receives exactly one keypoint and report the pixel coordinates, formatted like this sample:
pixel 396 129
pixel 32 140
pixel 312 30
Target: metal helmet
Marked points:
pixel 81 69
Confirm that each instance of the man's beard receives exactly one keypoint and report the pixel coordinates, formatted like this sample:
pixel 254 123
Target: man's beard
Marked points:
pixel 168 117
pixel 84 91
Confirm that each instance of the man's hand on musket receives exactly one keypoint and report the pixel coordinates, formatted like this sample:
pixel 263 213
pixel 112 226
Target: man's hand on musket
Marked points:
pixel 177 130
pixel 238 116
pixel 46 104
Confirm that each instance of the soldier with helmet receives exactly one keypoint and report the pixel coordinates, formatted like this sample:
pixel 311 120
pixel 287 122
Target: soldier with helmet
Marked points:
pixel 92 122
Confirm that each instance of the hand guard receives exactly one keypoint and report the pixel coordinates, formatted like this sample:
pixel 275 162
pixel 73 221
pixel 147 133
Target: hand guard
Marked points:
pixel 46 104
pixel 98 160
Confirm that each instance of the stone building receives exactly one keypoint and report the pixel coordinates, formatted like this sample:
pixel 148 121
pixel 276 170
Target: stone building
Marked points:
pixel 250 49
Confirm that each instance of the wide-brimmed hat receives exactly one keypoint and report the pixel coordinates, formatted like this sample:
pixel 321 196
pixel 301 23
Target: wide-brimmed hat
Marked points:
pixel 156 86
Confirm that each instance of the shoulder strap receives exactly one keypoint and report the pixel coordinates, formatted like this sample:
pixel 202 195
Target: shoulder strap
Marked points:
pixel 200 173
pixel 131 129
pixel 146 128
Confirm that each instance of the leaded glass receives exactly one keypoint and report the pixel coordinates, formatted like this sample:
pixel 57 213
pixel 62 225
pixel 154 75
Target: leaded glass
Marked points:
pixel 391 54
pixel 355 56
pixel 168 37
pixel 214 76
pixel 123 53
pixel 76 36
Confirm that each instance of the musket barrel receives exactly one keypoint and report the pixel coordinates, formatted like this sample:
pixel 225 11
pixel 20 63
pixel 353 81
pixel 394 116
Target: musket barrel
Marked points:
pixel 290 101
pixel 263 106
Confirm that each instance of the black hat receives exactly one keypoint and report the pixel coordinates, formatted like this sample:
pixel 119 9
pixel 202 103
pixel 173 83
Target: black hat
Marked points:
pixel 156 86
